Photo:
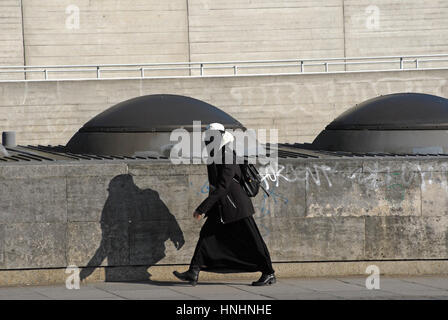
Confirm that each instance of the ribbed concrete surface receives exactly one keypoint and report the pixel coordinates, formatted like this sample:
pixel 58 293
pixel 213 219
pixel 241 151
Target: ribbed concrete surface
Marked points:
pixel 129 31
pixel 11 39
pixel 110 31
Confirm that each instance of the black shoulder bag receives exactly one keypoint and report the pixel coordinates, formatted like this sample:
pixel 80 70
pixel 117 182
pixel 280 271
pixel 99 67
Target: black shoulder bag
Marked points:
pixel 251 180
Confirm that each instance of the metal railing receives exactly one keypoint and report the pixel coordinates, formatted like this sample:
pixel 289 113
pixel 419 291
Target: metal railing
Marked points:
pixel 224 68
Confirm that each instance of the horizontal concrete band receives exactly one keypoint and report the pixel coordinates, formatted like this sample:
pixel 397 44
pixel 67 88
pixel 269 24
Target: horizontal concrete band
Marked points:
pixel 299 106
pixel 283 270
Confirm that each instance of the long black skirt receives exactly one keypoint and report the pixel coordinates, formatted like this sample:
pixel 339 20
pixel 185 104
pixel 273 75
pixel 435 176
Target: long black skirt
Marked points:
pixel 232 247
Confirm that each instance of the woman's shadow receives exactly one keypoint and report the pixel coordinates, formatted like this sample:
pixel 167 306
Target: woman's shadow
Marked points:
pixel 135 224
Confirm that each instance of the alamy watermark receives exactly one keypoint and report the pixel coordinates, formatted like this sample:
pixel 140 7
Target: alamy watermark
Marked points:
pixel 373 17
pixel 72 22
pixel 248 146
pixel 73 280
pixel 373 280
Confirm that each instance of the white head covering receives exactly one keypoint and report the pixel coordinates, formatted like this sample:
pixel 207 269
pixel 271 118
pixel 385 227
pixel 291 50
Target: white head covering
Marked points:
pixel 226 136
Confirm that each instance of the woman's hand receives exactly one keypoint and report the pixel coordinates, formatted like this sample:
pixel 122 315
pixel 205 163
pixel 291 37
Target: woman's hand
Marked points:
pixel 197 215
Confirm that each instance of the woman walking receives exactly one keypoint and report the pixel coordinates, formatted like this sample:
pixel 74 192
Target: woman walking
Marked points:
pixel 229 240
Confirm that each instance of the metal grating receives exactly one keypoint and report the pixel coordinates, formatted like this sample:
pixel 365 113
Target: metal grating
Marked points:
pixel 39 153
pixel 305 149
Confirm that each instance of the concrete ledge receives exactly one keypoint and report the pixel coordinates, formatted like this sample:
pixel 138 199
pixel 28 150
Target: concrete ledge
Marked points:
pixel 283 270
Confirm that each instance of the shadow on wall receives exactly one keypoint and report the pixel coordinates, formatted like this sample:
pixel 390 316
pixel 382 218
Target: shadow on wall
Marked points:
pixel 135 224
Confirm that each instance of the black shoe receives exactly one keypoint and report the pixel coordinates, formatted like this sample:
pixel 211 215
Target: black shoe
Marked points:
pixel 191 275
pixel 265 279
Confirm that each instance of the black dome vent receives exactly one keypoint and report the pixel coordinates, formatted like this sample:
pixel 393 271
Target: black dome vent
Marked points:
pixel 143 125
pixel 406 123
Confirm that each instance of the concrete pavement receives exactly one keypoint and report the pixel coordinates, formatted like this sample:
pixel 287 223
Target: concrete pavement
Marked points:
pixel 427 287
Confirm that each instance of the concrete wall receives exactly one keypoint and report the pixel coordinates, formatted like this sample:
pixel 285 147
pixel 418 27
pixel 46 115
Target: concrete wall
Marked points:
pixel 385 27
pixel 257 30
pixel 299 106
pixel 129 216
pixel 137 31
pixel 11 40
pixel 110 31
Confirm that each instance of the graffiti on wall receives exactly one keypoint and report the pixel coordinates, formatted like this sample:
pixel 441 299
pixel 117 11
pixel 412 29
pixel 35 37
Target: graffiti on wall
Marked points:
pixel 371 176
pixel 393 180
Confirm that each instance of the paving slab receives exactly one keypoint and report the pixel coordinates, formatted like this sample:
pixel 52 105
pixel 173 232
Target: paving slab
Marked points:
pixel 62 293
pixel 338 288
pixel 25 296
pixel 324 284
pixel 282 288
pixel 219 292
pixel 308 296
pixel 364 294
pixel 432 282
pixel 160 294
pixel 400 286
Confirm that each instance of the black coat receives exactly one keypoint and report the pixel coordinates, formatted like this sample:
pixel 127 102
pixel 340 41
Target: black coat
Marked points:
pixel 226 199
